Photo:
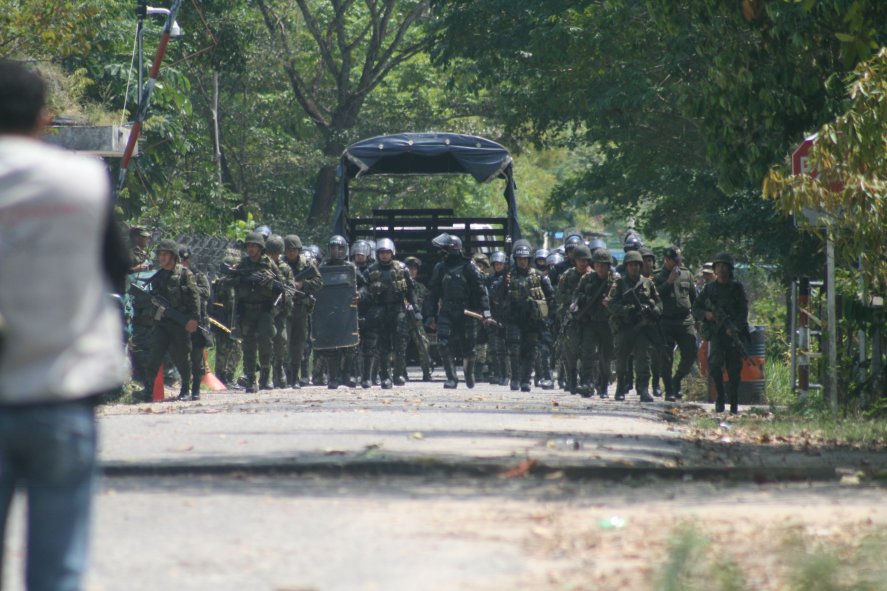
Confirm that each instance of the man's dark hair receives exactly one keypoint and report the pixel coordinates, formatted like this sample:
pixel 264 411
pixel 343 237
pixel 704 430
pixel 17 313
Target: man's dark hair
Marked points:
pixel 22 97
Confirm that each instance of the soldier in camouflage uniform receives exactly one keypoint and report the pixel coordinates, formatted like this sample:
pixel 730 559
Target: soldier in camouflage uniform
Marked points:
pixel 525 296
pixel 590 314
pixel 542 374
pixel 675 285
pixel 258 288
pixel 569 333
pixel 571 242
pixel 274 247
pixel 635 308
pixel 388 289
pixel 138 251
pixel 649 270
pixel 722 306
pixel 456 285
pixel 303 305
pixel 413 328
pixel 498 352
pixel 221 310
pixel 199 342
pixel 482 348
pixel 175 283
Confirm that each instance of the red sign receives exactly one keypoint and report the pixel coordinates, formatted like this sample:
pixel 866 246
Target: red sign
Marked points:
pixel 800 158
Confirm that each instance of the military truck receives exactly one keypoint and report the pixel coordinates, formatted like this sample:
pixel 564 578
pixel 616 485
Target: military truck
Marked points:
pixel 427 154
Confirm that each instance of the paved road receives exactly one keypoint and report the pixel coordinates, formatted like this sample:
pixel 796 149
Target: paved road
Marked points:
pixel 405 489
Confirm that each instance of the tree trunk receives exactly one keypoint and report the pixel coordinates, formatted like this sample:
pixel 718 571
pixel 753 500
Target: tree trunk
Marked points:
pixel 325 190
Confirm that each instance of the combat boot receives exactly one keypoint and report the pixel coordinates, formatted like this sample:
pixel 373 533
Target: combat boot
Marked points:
pixel 366 371
pixel 676 389
pixel 450 370
pixel 195 390
pixel 468 370
pixel 585 389
pixel 620 389
pixel 426 374
pixel 525 374
pixel 602 389
pixel 644 394
pixel 734 398
pixel 250 387
pixel 721 401
pixel 265 378
pixel 385 373
pixel 279 376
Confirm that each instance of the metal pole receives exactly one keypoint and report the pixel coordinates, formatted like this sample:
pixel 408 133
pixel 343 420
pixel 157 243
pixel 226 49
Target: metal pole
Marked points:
pixel 146 95
pixel 793 307
pixel 832 325
pixel 804 337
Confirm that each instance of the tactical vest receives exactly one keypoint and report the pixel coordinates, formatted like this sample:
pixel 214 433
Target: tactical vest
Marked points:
pixel 173 286
pixel 387 285
pixel 566 287
pixel 455 285
pixel 526 297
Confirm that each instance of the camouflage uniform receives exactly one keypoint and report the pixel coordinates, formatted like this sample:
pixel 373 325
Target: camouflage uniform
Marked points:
pixel 228 349
pixel 594 333
pixel 569 338
pixel 677 323
pixel 255 313
pixel 180 289
pixel 525 296
pixel 388 287
pixel 199 342
pixel 498 352
pixel 303 305
pixel 635 308
pixel 727 333
pixel 412 329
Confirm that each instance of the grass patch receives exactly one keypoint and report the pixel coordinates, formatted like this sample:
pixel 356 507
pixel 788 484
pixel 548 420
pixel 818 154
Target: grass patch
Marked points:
pixel 844 562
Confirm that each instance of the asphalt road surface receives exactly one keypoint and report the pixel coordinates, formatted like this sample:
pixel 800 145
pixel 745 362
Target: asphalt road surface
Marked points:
pixel 424 488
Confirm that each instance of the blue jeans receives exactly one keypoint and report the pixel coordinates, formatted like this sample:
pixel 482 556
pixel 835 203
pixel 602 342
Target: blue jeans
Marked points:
pixel 50 450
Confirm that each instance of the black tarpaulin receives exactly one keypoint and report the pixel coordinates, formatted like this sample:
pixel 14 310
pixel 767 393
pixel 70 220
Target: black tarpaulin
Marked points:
pixel 426 154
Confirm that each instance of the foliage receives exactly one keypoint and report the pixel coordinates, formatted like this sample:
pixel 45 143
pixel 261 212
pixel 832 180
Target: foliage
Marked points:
pixel 850 155
pixel 689 565
pixel 47 29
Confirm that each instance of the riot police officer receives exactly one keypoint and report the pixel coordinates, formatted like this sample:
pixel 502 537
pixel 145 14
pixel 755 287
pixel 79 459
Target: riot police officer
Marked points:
pixel 388 289
pixel 722 306
pixel 525 295
pixel 572 241
pixel 341 361
pixel 456 285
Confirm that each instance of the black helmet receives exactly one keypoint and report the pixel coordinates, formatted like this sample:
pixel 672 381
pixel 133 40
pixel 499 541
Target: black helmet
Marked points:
pixel 596 243
pixel 498 257
pixel 602 255
pixel 521 251
pixel 385 244
pixel 646 251
pixel 412 262
pixel 361 247
pixel 255 238
pixel 572 241
pixel 169 246
pixel 338 247
pixel 724 258
pixel 633 256
pixel 632 242
pixel 292 241
pixel 184 252
pixel 580 251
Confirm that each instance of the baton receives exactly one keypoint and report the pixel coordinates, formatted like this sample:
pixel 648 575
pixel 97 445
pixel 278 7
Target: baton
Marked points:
pixel 219 325
pixel 473 314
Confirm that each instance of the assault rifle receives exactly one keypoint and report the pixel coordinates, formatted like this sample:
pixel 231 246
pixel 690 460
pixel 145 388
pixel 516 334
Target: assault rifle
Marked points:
pixel 414 317
pixel 163 309
pixel 262 277
pixel 571 316
pixel 723 321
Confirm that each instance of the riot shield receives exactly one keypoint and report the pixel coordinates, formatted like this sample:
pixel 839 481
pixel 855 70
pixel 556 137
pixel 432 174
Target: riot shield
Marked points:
pixel 334 323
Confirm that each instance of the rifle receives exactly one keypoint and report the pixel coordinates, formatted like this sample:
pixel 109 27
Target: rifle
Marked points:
pixel 264 278
pixel 165 310
pixel 570 316
pixel 725 322
pixel 415 320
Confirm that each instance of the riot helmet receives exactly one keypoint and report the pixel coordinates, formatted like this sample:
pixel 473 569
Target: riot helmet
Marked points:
pixel 184 252
pixel 385 244
pixel 338 248
pixel 521 250
pixel 498 257
pixel 554 259
pixel 541 253
pixel 596 243
pixel 264 230
pixel 572 241
pixel 314 251
pixel 361 247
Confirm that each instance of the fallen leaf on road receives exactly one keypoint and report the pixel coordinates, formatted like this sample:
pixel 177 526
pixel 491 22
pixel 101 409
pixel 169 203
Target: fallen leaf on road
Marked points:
pixel 335 452
pixel 521 469
pixel 416 435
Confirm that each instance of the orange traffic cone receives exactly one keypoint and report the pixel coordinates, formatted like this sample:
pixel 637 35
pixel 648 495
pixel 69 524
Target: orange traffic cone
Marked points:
pixel 209 378
pixel 159 394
